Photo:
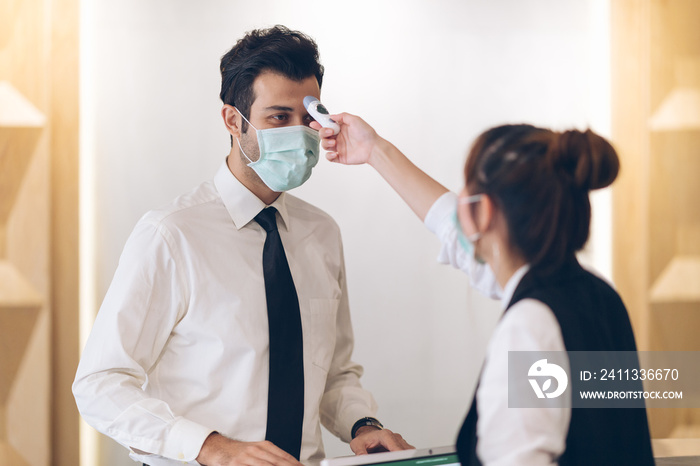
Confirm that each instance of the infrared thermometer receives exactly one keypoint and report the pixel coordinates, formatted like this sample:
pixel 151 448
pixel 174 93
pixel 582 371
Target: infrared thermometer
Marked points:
pixel 320 113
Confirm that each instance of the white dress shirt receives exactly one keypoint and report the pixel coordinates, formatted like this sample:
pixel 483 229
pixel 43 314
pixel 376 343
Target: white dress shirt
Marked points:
pixel 506 436
pixel 180 345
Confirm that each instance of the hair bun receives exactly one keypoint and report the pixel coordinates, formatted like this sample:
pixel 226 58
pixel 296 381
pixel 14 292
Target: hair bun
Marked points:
pixel 589 158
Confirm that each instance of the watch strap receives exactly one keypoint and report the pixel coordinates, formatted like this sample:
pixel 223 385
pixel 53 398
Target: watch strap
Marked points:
pixel 365 421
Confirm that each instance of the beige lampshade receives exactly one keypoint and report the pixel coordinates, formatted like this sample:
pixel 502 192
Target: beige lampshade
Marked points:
pixel 680 110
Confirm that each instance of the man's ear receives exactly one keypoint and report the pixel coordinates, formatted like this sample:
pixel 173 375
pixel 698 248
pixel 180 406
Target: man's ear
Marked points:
pixel 232 120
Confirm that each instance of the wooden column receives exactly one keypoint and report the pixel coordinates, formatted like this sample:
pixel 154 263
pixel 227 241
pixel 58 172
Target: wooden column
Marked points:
pixel 64 149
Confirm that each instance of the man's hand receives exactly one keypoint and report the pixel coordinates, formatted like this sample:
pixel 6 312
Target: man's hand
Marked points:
pixel 370 439
pixel 218 450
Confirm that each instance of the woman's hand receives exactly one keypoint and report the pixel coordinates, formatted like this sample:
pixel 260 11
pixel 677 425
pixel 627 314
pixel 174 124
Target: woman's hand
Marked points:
pixel 353 145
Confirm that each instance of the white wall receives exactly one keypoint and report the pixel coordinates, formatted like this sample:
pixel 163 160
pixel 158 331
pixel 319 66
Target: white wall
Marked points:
pixel 430 75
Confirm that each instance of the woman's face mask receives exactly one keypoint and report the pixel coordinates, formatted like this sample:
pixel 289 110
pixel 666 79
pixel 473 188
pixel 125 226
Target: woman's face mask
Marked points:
pixel 287 155
pixel 467 242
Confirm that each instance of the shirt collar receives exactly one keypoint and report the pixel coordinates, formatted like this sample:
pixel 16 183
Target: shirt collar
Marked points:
pixel 242 205
pixel 512 284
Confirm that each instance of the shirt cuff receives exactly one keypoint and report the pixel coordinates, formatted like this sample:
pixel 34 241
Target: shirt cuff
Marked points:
pixel 352 415
pixel 185 440
pixel 440 212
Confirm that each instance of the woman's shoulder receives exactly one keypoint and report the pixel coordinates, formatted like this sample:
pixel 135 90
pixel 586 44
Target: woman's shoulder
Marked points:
pixel 529 325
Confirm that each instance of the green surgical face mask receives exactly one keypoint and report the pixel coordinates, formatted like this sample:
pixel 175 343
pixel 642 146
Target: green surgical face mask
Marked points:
pixel 467 242
pixel 287 155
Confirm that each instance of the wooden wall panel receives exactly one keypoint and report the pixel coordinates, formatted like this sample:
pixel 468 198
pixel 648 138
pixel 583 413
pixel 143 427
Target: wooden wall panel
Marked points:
pixel 38 231
pixel 656 202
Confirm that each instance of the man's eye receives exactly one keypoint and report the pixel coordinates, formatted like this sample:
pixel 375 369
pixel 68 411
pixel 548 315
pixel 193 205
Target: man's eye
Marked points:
pixel 281 117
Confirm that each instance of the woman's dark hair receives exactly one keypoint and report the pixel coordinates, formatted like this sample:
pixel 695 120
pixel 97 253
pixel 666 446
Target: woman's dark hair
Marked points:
pixel 278 49
pixel 540 180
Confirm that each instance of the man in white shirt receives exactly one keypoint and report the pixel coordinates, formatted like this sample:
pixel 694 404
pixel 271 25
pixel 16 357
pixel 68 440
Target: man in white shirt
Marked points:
pixel 179 360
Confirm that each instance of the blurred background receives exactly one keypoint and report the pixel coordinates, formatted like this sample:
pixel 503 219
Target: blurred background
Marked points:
pixel 109 109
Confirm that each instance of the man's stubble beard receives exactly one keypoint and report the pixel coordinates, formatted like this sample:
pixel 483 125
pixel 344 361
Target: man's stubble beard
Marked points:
pixel 249 144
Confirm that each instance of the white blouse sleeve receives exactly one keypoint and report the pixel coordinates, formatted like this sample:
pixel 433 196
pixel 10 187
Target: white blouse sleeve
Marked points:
pixel 523 436
pixel 439 220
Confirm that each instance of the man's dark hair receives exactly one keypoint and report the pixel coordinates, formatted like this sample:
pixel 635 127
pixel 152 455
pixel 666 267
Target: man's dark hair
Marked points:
pixel 278 49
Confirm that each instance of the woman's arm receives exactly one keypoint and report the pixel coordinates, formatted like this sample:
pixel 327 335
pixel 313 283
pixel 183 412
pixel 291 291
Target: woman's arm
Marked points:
pixel 359 143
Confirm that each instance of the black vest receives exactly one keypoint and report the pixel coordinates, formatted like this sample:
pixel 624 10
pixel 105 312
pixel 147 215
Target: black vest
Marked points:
pixel 592 317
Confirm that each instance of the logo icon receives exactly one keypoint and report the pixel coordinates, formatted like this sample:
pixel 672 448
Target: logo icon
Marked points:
pixel 542 368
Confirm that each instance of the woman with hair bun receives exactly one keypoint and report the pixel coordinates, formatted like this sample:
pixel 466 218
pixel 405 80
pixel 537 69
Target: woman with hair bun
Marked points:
pixel 515 229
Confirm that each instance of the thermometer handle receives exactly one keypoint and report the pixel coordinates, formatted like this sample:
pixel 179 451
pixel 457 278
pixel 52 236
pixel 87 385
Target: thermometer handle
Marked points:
pixel 320 114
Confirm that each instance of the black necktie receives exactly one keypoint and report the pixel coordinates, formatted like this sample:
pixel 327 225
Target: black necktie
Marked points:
pixel 285 401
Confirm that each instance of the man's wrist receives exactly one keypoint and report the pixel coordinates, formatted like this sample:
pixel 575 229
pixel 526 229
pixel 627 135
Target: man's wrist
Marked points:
pixel 365 429
pixel 365 424
pixel 209 447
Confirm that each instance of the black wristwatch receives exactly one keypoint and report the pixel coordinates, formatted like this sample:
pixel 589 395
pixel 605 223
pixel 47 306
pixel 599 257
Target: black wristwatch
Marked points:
pixel 365 421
